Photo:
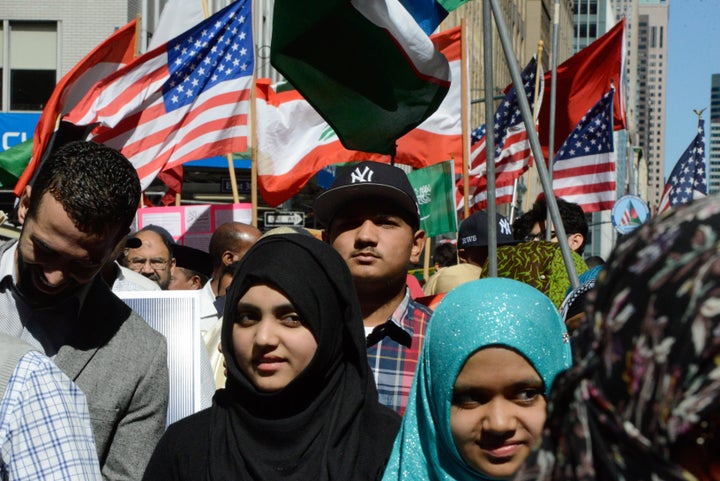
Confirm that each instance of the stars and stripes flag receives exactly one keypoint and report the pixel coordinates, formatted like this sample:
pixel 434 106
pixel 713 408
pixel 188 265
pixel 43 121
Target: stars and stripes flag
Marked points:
pixel 512 147
pixel 584 169
pixel 687 181
pixel 184 100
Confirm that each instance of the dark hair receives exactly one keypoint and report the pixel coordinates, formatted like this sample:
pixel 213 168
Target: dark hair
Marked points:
pixel 445 254
pixel 594 261
pixel 96 185
pixel 522 226
pixel 189 273
pixel 572 215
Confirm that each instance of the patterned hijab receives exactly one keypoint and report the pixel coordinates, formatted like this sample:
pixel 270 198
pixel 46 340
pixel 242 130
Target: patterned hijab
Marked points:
pixel 474 315
pixel 647 374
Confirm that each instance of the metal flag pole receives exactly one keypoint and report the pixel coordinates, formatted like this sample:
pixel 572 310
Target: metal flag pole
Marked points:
pixel 534 141
pixel 490 139
pixel 553 104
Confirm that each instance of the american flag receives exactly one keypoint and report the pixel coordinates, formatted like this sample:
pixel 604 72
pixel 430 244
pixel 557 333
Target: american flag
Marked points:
pixel 184 100
pixel 512 147
pixel 687 180
pixel 584 169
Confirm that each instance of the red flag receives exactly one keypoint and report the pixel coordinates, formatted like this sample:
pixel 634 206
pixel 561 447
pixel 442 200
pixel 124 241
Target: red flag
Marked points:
pixel 173 178
pixel 184 100
pixel 116 51
pixel 581 80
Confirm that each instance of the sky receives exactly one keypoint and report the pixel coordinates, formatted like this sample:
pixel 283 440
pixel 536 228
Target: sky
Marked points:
pixel 693 56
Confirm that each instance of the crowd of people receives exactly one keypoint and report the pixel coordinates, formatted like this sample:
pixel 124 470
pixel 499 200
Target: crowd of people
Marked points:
pixel 328 366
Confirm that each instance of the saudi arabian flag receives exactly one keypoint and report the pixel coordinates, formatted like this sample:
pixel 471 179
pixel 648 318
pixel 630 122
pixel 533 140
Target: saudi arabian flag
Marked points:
pixel 434 187
pixel 366 66
pixel 13 162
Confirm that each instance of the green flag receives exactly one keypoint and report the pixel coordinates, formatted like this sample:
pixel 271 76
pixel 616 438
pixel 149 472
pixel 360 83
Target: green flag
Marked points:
pixel 13 162
pixel 434 190
pixel 365 65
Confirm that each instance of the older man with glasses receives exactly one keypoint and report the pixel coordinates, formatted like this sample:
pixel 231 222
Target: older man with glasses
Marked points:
pixel 154 258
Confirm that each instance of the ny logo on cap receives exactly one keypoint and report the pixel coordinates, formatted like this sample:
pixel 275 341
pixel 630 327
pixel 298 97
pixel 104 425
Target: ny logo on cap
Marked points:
pixel 361 175
pixel 504 225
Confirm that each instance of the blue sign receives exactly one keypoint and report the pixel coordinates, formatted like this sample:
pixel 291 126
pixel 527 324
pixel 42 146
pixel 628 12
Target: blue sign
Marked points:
pixel 629 213
pixel 16 128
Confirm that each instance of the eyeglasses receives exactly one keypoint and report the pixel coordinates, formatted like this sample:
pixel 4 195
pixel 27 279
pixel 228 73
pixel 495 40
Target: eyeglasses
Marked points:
pixel 539 236
pixel 138 263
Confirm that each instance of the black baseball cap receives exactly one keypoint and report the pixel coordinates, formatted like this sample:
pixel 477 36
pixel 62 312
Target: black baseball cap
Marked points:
pixel 473 231
pixel 358 182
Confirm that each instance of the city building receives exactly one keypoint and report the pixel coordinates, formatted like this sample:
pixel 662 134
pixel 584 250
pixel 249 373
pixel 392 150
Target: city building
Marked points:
pixel 713 139
pixel 652 48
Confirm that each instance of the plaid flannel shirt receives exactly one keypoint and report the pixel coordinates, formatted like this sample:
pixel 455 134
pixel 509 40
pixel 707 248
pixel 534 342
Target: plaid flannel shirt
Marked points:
pixel 45 431
pixel 393 363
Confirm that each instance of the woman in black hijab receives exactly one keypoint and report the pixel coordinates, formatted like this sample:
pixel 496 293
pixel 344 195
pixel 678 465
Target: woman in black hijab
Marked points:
pixel 286 414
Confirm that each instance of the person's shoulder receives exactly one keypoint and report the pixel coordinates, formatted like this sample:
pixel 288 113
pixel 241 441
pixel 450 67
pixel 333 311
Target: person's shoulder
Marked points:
pixel 190 430
pixel 130 322
pixel 132 281
pixel 418 310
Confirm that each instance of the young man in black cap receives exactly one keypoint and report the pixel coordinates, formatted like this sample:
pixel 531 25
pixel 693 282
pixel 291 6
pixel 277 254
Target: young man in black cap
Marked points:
pixel 372 219
pixel 472 248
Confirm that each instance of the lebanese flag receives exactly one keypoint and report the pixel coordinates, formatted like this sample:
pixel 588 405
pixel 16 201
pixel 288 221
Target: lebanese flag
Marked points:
pixel 294 142
pixel 581 80
pixel 112 54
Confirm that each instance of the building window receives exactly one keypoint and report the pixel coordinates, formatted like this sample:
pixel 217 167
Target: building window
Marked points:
pixel 29 71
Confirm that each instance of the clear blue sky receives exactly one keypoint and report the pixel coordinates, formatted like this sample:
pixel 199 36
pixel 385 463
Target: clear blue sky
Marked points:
pixel 693 56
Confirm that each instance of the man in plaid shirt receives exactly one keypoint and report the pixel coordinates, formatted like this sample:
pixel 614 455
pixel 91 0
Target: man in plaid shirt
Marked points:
pixel 372 219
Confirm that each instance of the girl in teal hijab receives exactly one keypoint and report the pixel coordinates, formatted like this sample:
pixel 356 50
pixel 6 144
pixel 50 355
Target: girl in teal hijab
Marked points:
pixel 477 404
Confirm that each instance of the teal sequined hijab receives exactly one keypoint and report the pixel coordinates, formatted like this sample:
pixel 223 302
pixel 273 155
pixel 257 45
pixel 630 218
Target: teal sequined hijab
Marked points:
pixel 478 314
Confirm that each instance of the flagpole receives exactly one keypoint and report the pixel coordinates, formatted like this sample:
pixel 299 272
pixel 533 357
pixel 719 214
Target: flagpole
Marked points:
pixel 490 137
pixel 536 112
pixel 465 118
pixel 253 134
pixel 426 263
pixel 137 35
pixel 253 154
pixel 553 105
pixel 534 144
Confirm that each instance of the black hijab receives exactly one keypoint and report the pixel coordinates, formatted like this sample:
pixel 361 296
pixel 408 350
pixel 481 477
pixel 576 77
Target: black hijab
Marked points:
pixel 327 424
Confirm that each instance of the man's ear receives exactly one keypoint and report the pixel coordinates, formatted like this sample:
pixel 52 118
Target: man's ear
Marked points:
pixel 120 241
pixel 417 247
pixel 575 241
pixel 196 283
pixel 24 204
pixel 462 256
pixel 227 258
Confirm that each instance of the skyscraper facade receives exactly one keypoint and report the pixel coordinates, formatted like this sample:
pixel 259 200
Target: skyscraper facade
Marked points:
pixel 652 48
pixel 713 145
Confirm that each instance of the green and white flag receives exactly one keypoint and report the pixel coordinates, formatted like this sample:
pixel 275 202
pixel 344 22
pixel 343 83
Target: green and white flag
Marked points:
pixel 435 190
pixel 366 66
pixel 13 162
